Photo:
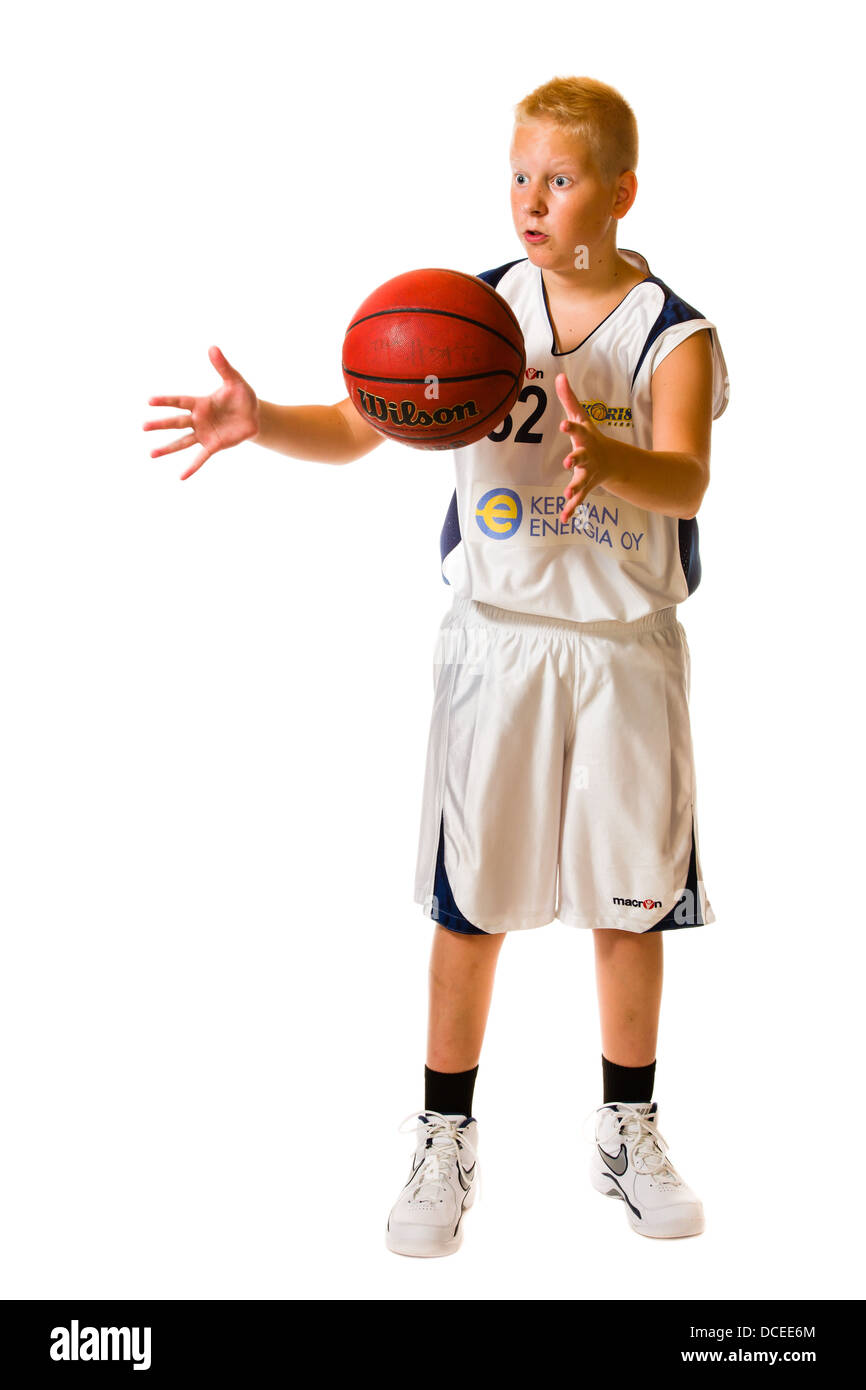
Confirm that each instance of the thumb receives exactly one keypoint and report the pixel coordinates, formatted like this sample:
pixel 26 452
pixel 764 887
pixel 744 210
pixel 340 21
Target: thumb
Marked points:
pixel 223 366
pixel 568 400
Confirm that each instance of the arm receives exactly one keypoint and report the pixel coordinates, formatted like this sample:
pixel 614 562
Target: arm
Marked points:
pixel 673 476
pixel 233 413
pixel 323 433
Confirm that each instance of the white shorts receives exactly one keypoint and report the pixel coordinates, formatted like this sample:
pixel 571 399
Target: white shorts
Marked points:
pixel 559 780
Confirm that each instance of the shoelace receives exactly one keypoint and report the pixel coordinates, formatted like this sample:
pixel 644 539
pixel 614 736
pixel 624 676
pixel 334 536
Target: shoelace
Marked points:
pixel 438 1157
pixel 651 1145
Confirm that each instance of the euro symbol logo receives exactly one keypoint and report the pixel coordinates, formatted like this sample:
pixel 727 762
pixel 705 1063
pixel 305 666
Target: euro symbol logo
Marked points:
pixel 499 513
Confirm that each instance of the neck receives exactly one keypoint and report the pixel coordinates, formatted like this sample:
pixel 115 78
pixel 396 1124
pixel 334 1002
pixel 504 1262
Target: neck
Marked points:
pixel 604 271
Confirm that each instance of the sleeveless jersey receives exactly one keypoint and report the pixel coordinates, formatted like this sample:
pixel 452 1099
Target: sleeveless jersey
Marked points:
pixel 502 542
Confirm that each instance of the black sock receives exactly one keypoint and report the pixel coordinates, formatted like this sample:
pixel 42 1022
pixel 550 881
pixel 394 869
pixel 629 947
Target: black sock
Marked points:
pixel 627 1083
pixel 449 1092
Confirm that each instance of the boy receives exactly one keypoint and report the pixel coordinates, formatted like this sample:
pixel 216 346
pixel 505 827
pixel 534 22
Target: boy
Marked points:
pixel 559 779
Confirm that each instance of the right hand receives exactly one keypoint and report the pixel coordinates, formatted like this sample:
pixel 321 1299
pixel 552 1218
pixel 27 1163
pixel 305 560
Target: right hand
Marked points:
pixel 228 417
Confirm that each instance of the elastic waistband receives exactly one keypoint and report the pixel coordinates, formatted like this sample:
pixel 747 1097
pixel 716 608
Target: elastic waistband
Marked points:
pixel 463 609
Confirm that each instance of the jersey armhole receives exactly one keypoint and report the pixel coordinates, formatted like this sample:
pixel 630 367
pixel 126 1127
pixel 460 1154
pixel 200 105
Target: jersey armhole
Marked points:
pixel 677 334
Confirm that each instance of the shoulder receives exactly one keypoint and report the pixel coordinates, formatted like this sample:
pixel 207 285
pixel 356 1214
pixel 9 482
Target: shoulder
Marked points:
pixel 666 310
pixel 515 283
pixel 493 277
pixel 674 329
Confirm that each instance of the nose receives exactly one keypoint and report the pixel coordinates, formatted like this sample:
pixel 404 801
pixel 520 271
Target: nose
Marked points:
pixel 533 201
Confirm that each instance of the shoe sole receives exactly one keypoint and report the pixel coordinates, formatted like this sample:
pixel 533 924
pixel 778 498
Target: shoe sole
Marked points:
pixel 602 1185
pixel 408 1246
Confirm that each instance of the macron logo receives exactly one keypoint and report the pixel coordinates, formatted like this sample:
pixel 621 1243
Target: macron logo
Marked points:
pixel 102 1344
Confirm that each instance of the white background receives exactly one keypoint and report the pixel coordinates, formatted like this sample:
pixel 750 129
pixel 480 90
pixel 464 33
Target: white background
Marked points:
pixel 216 694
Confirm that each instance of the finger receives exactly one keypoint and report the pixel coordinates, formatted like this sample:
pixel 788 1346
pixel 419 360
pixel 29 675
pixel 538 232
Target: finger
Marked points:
pixel 577 456
pixel 574 427
pixel 579 480
pixel 182 443
pixel 195 467
pixel 179 402
pixel 175 422
pixel 568 400
pixel 223 366
pixel 576 459
pixel 581 491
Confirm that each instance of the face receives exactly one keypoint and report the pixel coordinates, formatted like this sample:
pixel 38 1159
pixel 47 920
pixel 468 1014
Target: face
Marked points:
pixel 557 192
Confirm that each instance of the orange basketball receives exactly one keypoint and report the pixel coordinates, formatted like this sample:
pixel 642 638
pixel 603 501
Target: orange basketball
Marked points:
pixel 434 359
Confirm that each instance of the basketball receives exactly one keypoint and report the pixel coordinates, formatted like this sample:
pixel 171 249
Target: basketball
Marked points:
pixel 434 359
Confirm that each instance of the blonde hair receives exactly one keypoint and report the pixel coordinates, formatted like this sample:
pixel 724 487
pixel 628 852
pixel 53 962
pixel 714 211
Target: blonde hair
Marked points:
pixel 592 110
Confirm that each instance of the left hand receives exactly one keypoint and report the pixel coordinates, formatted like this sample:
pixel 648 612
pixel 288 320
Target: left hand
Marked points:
pixel 591 454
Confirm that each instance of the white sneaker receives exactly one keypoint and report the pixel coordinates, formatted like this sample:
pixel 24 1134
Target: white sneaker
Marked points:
pixel 427 1218
pixel 629 1161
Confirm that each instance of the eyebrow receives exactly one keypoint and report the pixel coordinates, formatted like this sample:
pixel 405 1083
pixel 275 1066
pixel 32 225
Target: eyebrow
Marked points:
pixel 557 159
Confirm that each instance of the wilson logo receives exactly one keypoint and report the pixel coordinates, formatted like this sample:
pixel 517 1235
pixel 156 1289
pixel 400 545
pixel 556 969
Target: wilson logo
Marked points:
pixel 406 414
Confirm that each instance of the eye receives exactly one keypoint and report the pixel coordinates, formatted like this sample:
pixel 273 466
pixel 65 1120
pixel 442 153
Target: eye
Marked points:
pixel 561 181
pixel 518 177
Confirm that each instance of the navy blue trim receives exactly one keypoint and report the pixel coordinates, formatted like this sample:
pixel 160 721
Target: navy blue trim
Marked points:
pixel 445 910
pixel 673 310
pixel 492 277
pixel 690 556
pixel 668 923
pixel 450 537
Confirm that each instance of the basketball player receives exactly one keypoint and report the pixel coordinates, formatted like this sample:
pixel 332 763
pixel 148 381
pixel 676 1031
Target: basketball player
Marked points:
pixel 561 664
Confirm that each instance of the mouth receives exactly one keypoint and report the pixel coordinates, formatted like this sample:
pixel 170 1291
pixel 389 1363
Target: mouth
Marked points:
pixel 535 238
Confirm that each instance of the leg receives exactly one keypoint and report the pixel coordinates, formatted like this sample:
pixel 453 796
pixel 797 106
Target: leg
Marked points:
pixel 630 1159
pixel 628 972
pixel 427 1218
pixel 462 970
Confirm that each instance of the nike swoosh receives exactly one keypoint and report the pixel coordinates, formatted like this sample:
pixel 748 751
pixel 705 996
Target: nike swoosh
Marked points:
pixel 616 1165
pixel 463 1173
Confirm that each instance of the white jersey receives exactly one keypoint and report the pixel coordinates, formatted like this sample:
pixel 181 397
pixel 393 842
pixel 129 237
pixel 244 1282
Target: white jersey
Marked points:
pixel 502 542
